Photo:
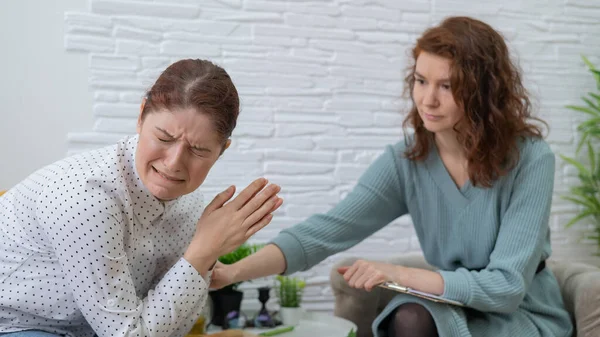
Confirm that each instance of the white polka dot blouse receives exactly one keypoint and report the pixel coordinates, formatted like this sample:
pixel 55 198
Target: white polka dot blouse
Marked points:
pixel 85 249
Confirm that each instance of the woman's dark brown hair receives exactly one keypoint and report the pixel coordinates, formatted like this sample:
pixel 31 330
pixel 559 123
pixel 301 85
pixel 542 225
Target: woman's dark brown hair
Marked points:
pixel 488 86
pixel 197 84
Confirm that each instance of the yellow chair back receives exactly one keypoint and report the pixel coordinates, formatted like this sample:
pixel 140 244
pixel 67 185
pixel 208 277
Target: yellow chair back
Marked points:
pixel 2 192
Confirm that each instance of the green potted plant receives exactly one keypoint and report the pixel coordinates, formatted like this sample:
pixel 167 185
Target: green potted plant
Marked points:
pixel 289 291
pixel 227 301
pixel 587 193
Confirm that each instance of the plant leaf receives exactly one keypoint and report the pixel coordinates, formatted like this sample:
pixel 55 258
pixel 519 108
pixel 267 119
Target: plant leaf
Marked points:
pixel 289 291
pixel 587 62
pixel 588 128
pixel 589 125
pixel 593 69
pixel 583 109
pixel 581 142
pixel 591 157
pixel 577 164
pixel 597 77
pixel 578 218
pixel 590 103
pixel 596 176
pixel 587 200
pixel 578 201
pixel 584 190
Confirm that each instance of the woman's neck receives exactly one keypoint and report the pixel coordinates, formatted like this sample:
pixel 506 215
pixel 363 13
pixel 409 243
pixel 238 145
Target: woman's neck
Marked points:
pixel 448 145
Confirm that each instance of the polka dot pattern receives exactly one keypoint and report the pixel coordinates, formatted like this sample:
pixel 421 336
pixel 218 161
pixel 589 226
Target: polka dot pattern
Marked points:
pixel 85 249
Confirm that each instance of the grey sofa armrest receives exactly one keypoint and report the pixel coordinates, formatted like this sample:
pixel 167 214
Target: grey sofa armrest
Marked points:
pixel 579 285
pixel 580 288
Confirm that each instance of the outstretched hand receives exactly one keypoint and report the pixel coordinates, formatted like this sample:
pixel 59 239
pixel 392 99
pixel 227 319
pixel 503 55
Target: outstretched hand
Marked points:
pixel 222 276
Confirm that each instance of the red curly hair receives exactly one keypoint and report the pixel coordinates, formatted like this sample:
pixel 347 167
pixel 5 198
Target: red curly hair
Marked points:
pixel 488 86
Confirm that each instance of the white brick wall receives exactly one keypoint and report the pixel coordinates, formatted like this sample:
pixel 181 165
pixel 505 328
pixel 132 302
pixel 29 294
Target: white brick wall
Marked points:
pixel 320 85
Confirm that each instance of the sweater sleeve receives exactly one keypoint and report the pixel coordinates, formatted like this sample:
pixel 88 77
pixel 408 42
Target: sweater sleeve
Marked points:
pixel 376 200
pixel 502 285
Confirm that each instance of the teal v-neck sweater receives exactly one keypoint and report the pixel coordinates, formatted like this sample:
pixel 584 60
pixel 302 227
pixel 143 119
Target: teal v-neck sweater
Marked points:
pixel 486 242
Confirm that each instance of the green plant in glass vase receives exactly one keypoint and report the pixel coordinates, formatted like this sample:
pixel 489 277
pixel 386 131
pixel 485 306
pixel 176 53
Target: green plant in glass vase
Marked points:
pixel 587 193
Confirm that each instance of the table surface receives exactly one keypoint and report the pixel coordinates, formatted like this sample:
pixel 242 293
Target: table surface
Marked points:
pixel 312 324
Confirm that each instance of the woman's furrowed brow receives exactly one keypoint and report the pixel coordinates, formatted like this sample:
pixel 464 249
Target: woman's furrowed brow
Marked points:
pixel 164 131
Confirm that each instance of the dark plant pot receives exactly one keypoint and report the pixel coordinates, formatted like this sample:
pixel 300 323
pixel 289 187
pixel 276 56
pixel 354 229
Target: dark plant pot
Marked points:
pixel 225 301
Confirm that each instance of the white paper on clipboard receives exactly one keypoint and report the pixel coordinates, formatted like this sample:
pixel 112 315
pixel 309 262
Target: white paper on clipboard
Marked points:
pixel 406 290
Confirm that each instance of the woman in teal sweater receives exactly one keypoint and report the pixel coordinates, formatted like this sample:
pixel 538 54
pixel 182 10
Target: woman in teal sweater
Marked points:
pixel 477 179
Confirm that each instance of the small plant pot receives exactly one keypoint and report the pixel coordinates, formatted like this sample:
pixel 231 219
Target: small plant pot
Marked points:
pixel 291 316
pixel 225 302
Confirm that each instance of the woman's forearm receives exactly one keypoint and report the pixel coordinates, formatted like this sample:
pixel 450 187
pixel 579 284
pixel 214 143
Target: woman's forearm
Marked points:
pixel 267 261
pixel 420 279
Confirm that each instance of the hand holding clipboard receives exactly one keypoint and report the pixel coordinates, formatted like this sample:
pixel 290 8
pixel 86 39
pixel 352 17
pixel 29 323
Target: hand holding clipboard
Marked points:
pixel 371 274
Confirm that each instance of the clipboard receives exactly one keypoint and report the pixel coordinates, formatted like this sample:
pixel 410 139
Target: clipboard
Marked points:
pixel 406 290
